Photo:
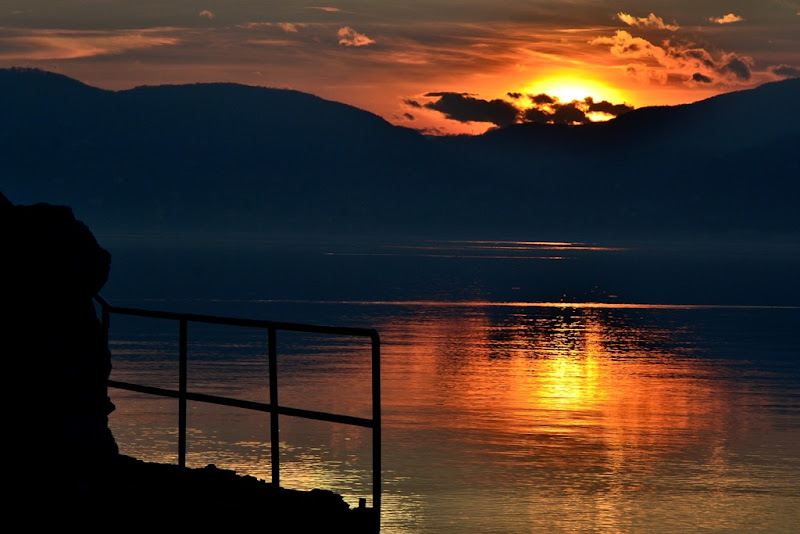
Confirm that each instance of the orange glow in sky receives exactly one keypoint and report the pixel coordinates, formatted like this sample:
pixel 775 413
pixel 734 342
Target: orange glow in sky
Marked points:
pixel 574 87
pixel 386 57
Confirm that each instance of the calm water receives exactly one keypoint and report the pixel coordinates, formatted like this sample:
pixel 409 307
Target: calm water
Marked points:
pixel 527 387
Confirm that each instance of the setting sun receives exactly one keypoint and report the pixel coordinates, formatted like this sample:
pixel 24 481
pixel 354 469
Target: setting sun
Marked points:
pixel 571 99
pixel 569 88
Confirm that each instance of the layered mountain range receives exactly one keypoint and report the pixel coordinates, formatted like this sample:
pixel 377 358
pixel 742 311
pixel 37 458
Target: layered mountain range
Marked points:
pixel 233 158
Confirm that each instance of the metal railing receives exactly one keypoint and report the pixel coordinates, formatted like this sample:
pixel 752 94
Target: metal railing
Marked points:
pixel 273 407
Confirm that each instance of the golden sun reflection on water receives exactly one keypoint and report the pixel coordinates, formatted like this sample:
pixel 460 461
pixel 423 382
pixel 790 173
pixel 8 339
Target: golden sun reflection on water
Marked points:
pixel 571 411
pixel 558 375
pixel 503 419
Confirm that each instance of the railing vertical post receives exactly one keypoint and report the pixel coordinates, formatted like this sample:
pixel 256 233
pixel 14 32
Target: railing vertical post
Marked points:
pixel 273 401
pixel 376 429
pixel 182 387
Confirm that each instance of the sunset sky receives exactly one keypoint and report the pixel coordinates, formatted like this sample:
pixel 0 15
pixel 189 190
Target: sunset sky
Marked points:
pixel 440 66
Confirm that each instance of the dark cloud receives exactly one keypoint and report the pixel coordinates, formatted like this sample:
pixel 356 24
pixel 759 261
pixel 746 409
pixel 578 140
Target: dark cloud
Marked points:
pixel 464 108
pixel 569 113
pixel 736 66
pixel 699 54
pixel 542 99
pixel 412 103
pixel 676 78
pixel 409 116
pixel 536 115
pixel 543 109
pixel 786 71
pixel 550 110
pixel 607 107
pixel 558 113
pixel 700 78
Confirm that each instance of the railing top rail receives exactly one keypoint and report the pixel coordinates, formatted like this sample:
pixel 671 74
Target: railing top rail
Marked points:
pixel 234 321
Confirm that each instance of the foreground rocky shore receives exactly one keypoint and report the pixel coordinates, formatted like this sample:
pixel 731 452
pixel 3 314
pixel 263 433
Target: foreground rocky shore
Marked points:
pixel 137 494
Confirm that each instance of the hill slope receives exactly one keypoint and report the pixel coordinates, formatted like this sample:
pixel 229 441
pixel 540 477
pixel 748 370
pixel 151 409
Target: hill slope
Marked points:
pixel 227 157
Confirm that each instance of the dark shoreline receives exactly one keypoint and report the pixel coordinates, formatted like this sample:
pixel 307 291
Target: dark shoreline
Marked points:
pixel 134 493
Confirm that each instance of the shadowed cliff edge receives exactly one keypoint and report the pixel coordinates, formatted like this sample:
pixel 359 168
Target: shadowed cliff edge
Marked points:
pixel 68 467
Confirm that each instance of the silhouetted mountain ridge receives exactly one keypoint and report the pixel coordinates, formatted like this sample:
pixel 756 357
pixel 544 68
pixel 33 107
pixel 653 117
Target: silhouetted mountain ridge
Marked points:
pixel 741 119
pixel 230 158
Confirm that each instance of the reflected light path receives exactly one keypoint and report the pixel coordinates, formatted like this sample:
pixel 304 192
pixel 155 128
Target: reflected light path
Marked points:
pixel 511 417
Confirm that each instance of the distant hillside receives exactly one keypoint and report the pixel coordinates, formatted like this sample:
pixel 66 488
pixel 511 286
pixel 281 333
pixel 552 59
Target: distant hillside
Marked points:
pixel 741 119
pixel 228 157
pixel 725 165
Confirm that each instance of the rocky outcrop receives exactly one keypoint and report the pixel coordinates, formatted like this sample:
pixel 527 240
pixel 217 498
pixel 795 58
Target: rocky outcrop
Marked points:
pixel 54 345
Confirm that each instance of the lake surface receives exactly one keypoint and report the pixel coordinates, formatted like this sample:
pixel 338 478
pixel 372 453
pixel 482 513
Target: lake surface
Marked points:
pixel 526 386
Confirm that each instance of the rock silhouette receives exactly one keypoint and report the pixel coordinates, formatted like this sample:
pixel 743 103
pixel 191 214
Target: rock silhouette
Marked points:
pixel 50 270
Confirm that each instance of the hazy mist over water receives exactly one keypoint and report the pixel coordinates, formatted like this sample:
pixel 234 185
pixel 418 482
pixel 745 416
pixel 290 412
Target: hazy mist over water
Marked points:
pixel 527 386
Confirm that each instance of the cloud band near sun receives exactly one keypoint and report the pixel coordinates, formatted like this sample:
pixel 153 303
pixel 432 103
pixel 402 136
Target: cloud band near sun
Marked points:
pixel 676 62
pixel 521 108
